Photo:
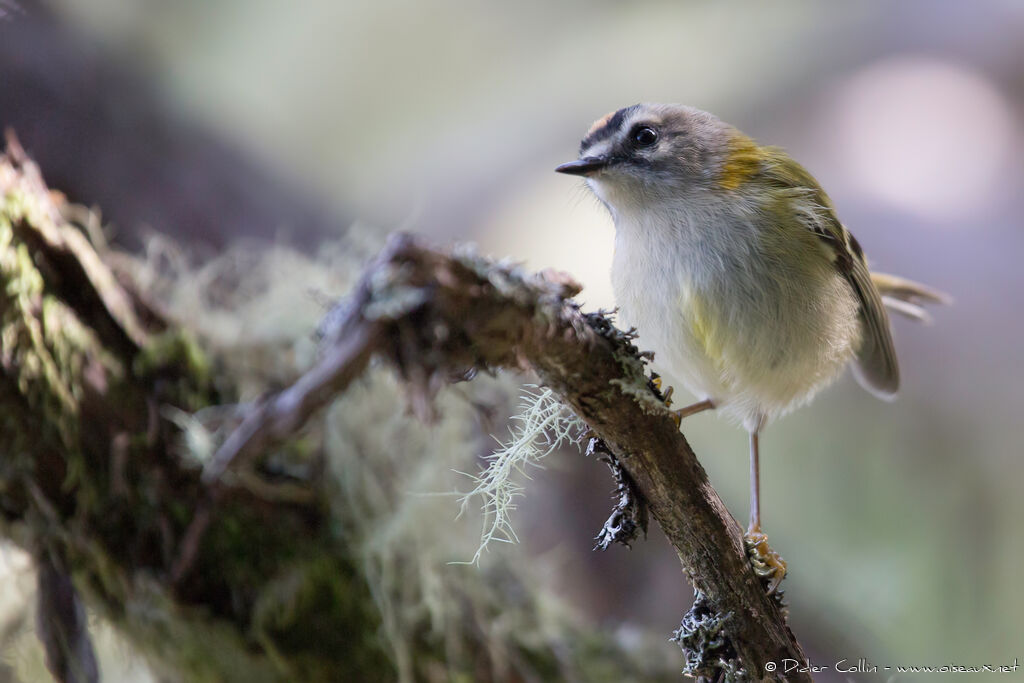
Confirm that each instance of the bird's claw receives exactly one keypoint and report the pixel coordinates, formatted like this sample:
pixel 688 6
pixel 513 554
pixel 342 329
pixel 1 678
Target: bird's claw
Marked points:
pixel 768 564
pixel 677 417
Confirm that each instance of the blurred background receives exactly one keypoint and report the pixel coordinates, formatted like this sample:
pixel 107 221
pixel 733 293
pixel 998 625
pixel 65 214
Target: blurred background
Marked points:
pixel 240 119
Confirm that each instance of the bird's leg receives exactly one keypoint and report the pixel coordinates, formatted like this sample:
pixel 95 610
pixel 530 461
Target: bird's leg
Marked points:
pixel 768 564
pixel 692 409
pixel 755 482
pixel 685 411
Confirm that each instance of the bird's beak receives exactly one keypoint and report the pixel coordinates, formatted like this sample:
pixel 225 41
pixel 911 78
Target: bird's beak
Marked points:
pixel 585 166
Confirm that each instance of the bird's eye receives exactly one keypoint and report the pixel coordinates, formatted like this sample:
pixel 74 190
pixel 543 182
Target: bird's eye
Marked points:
pixel 644 136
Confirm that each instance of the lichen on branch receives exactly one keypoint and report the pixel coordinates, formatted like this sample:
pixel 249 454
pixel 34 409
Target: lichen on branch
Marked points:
pixel 541 425
pixel 319 562
pixel 211 571
pixel 461 313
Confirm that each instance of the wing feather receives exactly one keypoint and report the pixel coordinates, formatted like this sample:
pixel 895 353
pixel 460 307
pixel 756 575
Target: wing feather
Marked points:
pixel 875 367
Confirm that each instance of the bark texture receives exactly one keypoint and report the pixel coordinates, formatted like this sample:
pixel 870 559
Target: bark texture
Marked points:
pixel 92 473
pixel 437 315
pixel 221 579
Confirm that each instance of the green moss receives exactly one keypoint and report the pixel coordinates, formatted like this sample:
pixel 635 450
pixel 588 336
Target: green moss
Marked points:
pixel 314 610
pixel 176 348
pixel 46 386
pixel 47 355
pixel 175 355
pixel 189 643
pixel 354 586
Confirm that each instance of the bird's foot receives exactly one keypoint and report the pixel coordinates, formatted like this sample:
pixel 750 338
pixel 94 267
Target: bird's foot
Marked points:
pixel 768 564
pixel 685 411
pixel 664 395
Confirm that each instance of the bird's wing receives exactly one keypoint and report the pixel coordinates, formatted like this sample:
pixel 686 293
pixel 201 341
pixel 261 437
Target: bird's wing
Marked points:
pixel 876 367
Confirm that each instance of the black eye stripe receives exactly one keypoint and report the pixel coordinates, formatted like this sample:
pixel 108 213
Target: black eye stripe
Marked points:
pixel 610 128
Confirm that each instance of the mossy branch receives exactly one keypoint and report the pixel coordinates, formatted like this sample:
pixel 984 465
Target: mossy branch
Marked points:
pixel 92 482
pixel 243 577
pixel 436 316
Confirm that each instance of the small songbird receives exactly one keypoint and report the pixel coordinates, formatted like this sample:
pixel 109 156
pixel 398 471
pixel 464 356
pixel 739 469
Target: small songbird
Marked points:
pixel 732 266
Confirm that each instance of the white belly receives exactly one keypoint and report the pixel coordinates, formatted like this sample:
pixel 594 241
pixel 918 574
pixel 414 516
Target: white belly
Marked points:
pixel 755 342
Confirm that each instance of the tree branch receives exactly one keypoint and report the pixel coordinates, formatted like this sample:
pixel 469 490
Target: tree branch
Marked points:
pixel 436 315
pixel 91 475
pixel 235 581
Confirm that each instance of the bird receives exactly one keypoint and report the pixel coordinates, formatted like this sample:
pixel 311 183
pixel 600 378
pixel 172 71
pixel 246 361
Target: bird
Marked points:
pixel 734 269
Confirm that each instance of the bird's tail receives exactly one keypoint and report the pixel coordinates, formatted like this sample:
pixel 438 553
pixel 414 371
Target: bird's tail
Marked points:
pixel 907 297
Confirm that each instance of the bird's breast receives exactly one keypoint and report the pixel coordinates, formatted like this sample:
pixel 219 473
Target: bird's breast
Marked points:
pixel 731 318
pixel 662 291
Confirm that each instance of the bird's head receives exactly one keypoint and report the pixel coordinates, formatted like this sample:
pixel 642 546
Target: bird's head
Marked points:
pixel 639 155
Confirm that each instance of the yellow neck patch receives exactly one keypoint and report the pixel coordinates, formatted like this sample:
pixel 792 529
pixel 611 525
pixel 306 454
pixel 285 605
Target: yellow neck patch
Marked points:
pixel 742 163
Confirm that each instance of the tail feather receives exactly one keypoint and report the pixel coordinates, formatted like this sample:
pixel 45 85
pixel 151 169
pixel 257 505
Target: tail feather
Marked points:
pixel 907 310
pixel 907 297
